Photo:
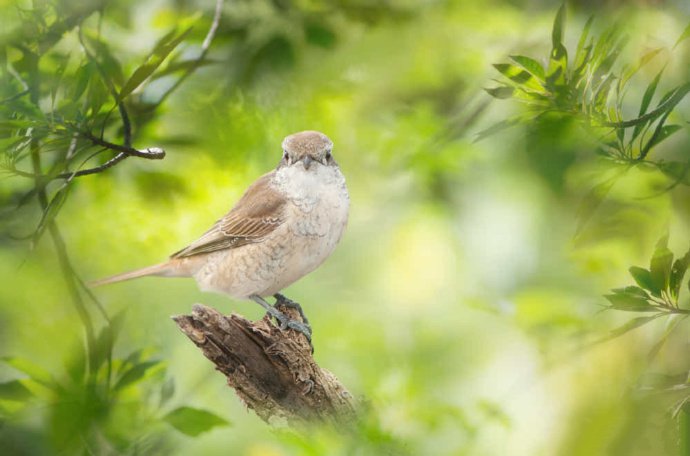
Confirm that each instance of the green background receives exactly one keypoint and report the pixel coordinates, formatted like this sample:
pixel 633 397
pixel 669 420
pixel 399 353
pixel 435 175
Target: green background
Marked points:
pixel 461 300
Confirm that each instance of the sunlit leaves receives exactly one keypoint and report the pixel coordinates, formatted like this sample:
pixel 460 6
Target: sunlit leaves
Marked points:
pixel 592 89
pixel 531 65
pixel 632 299
pixel 657 290
pixel 192 421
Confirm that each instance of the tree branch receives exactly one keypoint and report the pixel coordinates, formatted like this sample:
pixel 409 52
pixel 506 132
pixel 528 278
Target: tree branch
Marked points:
pixel 271 370
pixel 152 153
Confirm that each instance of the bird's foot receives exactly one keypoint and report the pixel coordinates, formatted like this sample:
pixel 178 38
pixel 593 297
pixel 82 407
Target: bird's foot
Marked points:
pixel 284 320
pixel 287 322
pixel 281 300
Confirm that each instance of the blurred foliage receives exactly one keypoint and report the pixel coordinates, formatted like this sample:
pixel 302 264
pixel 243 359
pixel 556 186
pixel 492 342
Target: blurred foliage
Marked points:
pixel 472 273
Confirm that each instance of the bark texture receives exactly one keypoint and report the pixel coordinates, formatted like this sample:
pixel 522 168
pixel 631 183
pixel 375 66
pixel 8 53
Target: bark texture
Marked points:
pixel 270 369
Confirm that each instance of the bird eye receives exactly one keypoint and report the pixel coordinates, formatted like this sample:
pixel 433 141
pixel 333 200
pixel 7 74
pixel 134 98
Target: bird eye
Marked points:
pixel 328 153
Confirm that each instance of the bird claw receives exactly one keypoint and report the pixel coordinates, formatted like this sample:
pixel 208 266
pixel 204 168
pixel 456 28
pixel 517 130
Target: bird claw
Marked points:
pixel 284 320
pixel 281 300
pixel 286 323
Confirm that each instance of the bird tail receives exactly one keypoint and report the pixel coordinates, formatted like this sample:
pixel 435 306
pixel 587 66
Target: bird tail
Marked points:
pixel 162 269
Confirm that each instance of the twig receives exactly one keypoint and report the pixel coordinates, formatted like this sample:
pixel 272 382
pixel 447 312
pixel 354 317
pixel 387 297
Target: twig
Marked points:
pixel 95 170
pixel 152 153
pixel 272 370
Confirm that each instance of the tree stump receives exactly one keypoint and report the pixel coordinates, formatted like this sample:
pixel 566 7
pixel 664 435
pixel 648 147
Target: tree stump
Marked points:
pixel 271 370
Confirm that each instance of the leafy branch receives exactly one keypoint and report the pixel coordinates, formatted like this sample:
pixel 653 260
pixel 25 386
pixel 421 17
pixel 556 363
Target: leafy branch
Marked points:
pixel 55 113
pixel 657 289
pixel 592 88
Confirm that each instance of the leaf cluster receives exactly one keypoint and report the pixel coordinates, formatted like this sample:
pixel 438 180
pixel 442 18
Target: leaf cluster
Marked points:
pixel 658 287
pixel 68 99
pixel 591 86
pixel 64 89
pixel 102 403
pixel 657 292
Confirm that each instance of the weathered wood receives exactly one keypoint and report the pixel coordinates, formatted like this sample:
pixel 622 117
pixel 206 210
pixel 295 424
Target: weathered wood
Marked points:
pixel 271 370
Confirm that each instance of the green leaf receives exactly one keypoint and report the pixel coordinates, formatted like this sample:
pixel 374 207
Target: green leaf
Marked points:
pixel 664 109
pixel 649 93
pixel 601 94
pixel 684 36
pixel 657 381
pixel 661 132
pixel 558 63
pixel 644 279
pixel 514 73
pixel 629 302
pixel 646 100
pixel 632 324
pixel 51 211
pixel 581 44
pixel 583 53
pixel 677 171
pixel 135 373
pixel 501 92
pixel 184 65
pixel 632 291
pixel 660 265
pixel 499 126
pixel 14 391
pixel 192 421
pixel 167 391
pixel 109 64
pixel 34 371
pixel 558 27
pixel 81 78
pixel 531 65
pixel 680 266
pixel 103 346
pixel 162 49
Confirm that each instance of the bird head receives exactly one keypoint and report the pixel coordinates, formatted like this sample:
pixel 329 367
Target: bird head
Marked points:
pixel 307 148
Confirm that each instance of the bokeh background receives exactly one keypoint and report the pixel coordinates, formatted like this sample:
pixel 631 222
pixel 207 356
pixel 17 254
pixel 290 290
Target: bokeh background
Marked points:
pixel 462 299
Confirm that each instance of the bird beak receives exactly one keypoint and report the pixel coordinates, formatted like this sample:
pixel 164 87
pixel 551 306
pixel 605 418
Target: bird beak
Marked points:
pixel 306 161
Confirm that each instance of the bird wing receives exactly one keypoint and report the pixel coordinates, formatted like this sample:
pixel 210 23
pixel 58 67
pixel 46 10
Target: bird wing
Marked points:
pixel 256 215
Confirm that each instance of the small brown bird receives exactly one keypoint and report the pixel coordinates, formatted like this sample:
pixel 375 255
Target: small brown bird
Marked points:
pixel 286 224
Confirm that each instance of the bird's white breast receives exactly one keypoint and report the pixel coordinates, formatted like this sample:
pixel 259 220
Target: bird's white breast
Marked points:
pixel 316 214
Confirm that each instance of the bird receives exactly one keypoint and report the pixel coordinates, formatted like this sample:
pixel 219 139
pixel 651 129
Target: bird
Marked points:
pixel 284 227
